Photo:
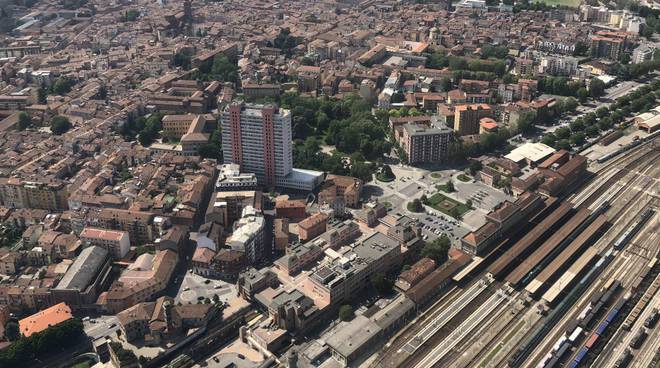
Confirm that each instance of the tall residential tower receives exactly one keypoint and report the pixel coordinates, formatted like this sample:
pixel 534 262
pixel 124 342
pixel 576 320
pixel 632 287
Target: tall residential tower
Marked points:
pixel 258 138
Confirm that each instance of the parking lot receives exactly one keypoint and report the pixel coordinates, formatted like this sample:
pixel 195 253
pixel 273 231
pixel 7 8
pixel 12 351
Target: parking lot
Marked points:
pixel 434 224
pixel 482 196
pixel 196 288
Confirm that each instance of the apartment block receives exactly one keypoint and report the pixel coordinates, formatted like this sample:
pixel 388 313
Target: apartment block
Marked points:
pixel 258 138
pixel 424 143
pixel 467 117
pixel 17 193
pixel 346 272
pixel 142 281
pixel 138 224
pixel 609 45
pixel 115 241
pixel 312 226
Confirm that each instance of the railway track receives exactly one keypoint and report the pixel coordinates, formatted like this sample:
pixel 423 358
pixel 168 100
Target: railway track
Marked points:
pixel 456 347
pixel 629 167
pixel 623 207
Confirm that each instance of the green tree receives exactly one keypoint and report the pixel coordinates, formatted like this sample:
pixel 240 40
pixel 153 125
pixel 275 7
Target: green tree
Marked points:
pixel 596 87
pixel 526 121
pixel 549 139
pixel 591 131
pixel 415 206
pixel 24 120
pixel 12 331
pixel 577 125
pixel 449 186
pixel 563 144
pixel 42 95
pixel 577 139
pixel 387 173
pixel 125 356
pixel 346 312
pixel 437 249
pixel 570 104
pixel 62 86
pixel 182 59
pixel 563 133
pixel 59 125
pixel 307 61
pixel 380 283
pixel 601 111
pixel 131 15
pixel 475 166
pixel 224 69
pixel 582 95
pixel 42 344
pixel 445 84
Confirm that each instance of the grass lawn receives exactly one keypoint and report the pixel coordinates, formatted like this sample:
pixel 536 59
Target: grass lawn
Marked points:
pixel 572 3
pixel 464 178
pixel 436 175
pixel 447 205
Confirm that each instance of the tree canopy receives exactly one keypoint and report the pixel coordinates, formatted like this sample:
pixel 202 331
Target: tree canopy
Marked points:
pixel 437 249
pixel 381 283
pixel 41 344
pixel 24 120
pixel 59 125
pixel 346 312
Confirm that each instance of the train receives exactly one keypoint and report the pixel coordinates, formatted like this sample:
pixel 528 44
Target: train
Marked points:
pixel 629 146
pixel 638 339
pixel 651 320
pixel 624 359
pixel 583 322
pixel 633 229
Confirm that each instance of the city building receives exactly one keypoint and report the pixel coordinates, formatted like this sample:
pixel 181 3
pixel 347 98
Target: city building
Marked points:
pixel 41 320
pixel 345 272
pixel 312 226
pixel 291 208
pixel 230 178
pixel 340 191
pixel 116 242
pixel 227 206
pixel 607 44
pixel 143 280
pixel 467 117
pixel 425 144
pixel 85 279
pixel 248 236
pixel 642 53
pixel 258 138
pixel 299 256
pixel 18 193
pixel 500 221
pixel 351 342
pixel 138 224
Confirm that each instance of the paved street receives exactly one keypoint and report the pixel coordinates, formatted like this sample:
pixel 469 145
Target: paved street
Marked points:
pixel 196 288
pixel 101 326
